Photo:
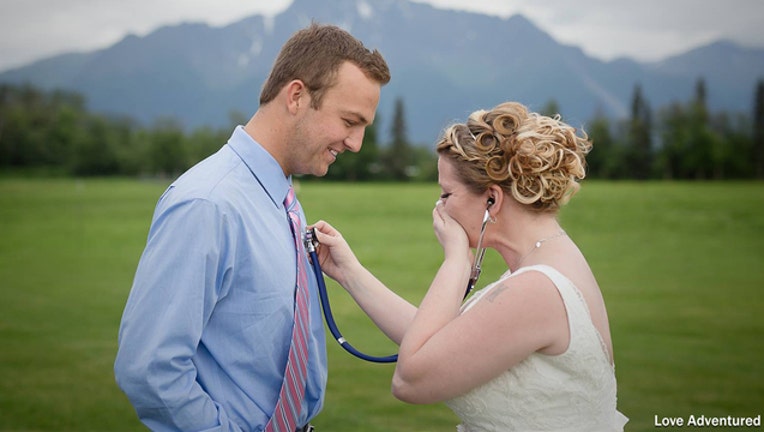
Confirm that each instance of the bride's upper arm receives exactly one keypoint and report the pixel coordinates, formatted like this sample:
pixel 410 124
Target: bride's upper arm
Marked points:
pixel 522 315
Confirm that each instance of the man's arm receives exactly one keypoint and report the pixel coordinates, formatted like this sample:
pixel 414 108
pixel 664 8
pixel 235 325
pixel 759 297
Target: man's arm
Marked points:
pixel 173 295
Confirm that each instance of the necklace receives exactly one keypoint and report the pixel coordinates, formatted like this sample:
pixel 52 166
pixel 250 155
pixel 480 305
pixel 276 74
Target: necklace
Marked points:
pixel 538 245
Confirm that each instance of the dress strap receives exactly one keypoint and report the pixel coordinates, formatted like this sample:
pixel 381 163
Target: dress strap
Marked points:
pixel 580 320
pixel 571 296
pixel 575 304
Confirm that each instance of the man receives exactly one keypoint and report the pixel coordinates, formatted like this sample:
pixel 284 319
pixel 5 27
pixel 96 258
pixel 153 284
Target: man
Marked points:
pixel 206 337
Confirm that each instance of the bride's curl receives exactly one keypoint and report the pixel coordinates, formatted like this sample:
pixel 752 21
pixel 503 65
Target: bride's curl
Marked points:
pixel 539 160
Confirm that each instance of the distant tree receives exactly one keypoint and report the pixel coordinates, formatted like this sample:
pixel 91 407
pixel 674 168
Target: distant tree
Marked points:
pixel 700 102
pixel 52 131
pixel 426 161
pixel 758 130
pixel 167 151
pixel 130 153
pixel 38 129
pixel 399 154
pixel 95 153
pixel 706 151
pixel 638 152
pixel 204 141
pixel 369 165
pixel 236 118
pixel 66 119
pixel 701 145
pixel 603 160
pixel 733 132
pixel 20 112
pixel 551 109
pixel 671 161
pixel 362 166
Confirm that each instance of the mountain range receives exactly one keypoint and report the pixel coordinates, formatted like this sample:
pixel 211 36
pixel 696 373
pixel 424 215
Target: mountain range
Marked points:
pixel 444 65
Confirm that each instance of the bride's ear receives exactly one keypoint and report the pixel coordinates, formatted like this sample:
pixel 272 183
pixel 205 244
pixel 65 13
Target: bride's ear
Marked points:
pixel 495 200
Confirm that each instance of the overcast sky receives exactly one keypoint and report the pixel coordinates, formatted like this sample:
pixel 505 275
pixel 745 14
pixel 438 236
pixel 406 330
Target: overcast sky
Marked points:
pixel 640 29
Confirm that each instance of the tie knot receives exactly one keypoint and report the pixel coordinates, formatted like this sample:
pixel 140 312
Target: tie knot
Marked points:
pixel 290 200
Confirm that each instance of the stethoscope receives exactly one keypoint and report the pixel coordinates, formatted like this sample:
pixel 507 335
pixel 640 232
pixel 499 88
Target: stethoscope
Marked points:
pixel 311 242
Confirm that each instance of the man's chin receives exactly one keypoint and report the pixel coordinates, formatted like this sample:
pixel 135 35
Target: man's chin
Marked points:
pixel 320 172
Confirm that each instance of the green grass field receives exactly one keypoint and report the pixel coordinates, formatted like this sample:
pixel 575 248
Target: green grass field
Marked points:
pixel 681 266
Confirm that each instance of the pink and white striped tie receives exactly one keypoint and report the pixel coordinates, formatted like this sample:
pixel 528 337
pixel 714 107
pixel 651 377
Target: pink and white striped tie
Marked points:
pixel 287 411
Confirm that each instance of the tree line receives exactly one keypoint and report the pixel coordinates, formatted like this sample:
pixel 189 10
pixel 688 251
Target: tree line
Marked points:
pixel 680 141
pixel 53 132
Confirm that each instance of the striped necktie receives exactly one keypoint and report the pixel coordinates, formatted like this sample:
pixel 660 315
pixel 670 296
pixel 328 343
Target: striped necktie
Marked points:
pixel 287 411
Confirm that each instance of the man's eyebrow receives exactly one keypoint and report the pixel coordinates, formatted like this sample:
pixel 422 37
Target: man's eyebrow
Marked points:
pixel 358 117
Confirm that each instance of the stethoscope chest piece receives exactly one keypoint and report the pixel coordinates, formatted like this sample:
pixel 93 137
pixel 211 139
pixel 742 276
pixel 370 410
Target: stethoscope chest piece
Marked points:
pixel 311 243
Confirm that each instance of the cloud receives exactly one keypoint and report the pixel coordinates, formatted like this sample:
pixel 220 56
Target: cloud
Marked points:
pixel 645 30
pixel 654 29
pixel 33 29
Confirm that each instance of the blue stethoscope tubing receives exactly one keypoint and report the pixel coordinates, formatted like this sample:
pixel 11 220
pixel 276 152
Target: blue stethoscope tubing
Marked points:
pixel 310 246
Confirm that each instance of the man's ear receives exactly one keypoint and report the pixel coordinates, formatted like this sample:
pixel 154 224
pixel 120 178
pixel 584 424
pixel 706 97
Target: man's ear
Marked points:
pixel 296 94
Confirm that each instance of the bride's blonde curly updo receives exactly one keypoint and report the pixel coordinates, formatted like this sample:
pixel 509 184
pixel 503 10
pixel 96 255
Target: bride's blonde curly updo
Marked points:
pixel 537 159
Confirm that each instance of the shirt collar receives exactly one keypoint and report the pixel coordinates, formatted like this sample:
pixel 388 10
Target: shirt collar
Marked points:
pixel 262 165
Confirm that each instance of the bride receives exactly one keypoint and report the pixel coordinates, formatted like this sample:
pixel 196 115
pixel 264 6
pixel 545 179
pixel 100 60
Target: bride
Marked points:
pixel 532 351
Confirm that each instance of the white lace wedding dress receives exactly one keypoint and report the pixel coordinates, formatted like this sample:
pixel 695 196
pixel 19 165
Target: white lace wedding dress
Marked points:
pixel 571 392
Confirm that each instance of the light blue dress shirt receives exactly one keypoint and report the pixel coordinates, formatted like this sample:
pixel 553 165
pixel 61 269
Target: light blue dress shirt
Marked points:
pixel 206 331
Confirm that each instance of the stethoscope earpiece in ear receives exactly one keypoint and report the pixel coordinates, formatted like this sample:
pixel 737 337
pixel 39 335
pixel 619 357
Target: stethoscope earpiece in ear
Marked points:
pixel 491 202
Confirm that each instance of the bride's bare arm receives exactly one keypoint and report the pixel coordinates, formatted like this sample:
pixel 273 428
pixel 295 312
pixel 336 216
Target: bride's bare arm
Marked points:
pixel 446 353
pixel 390 312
